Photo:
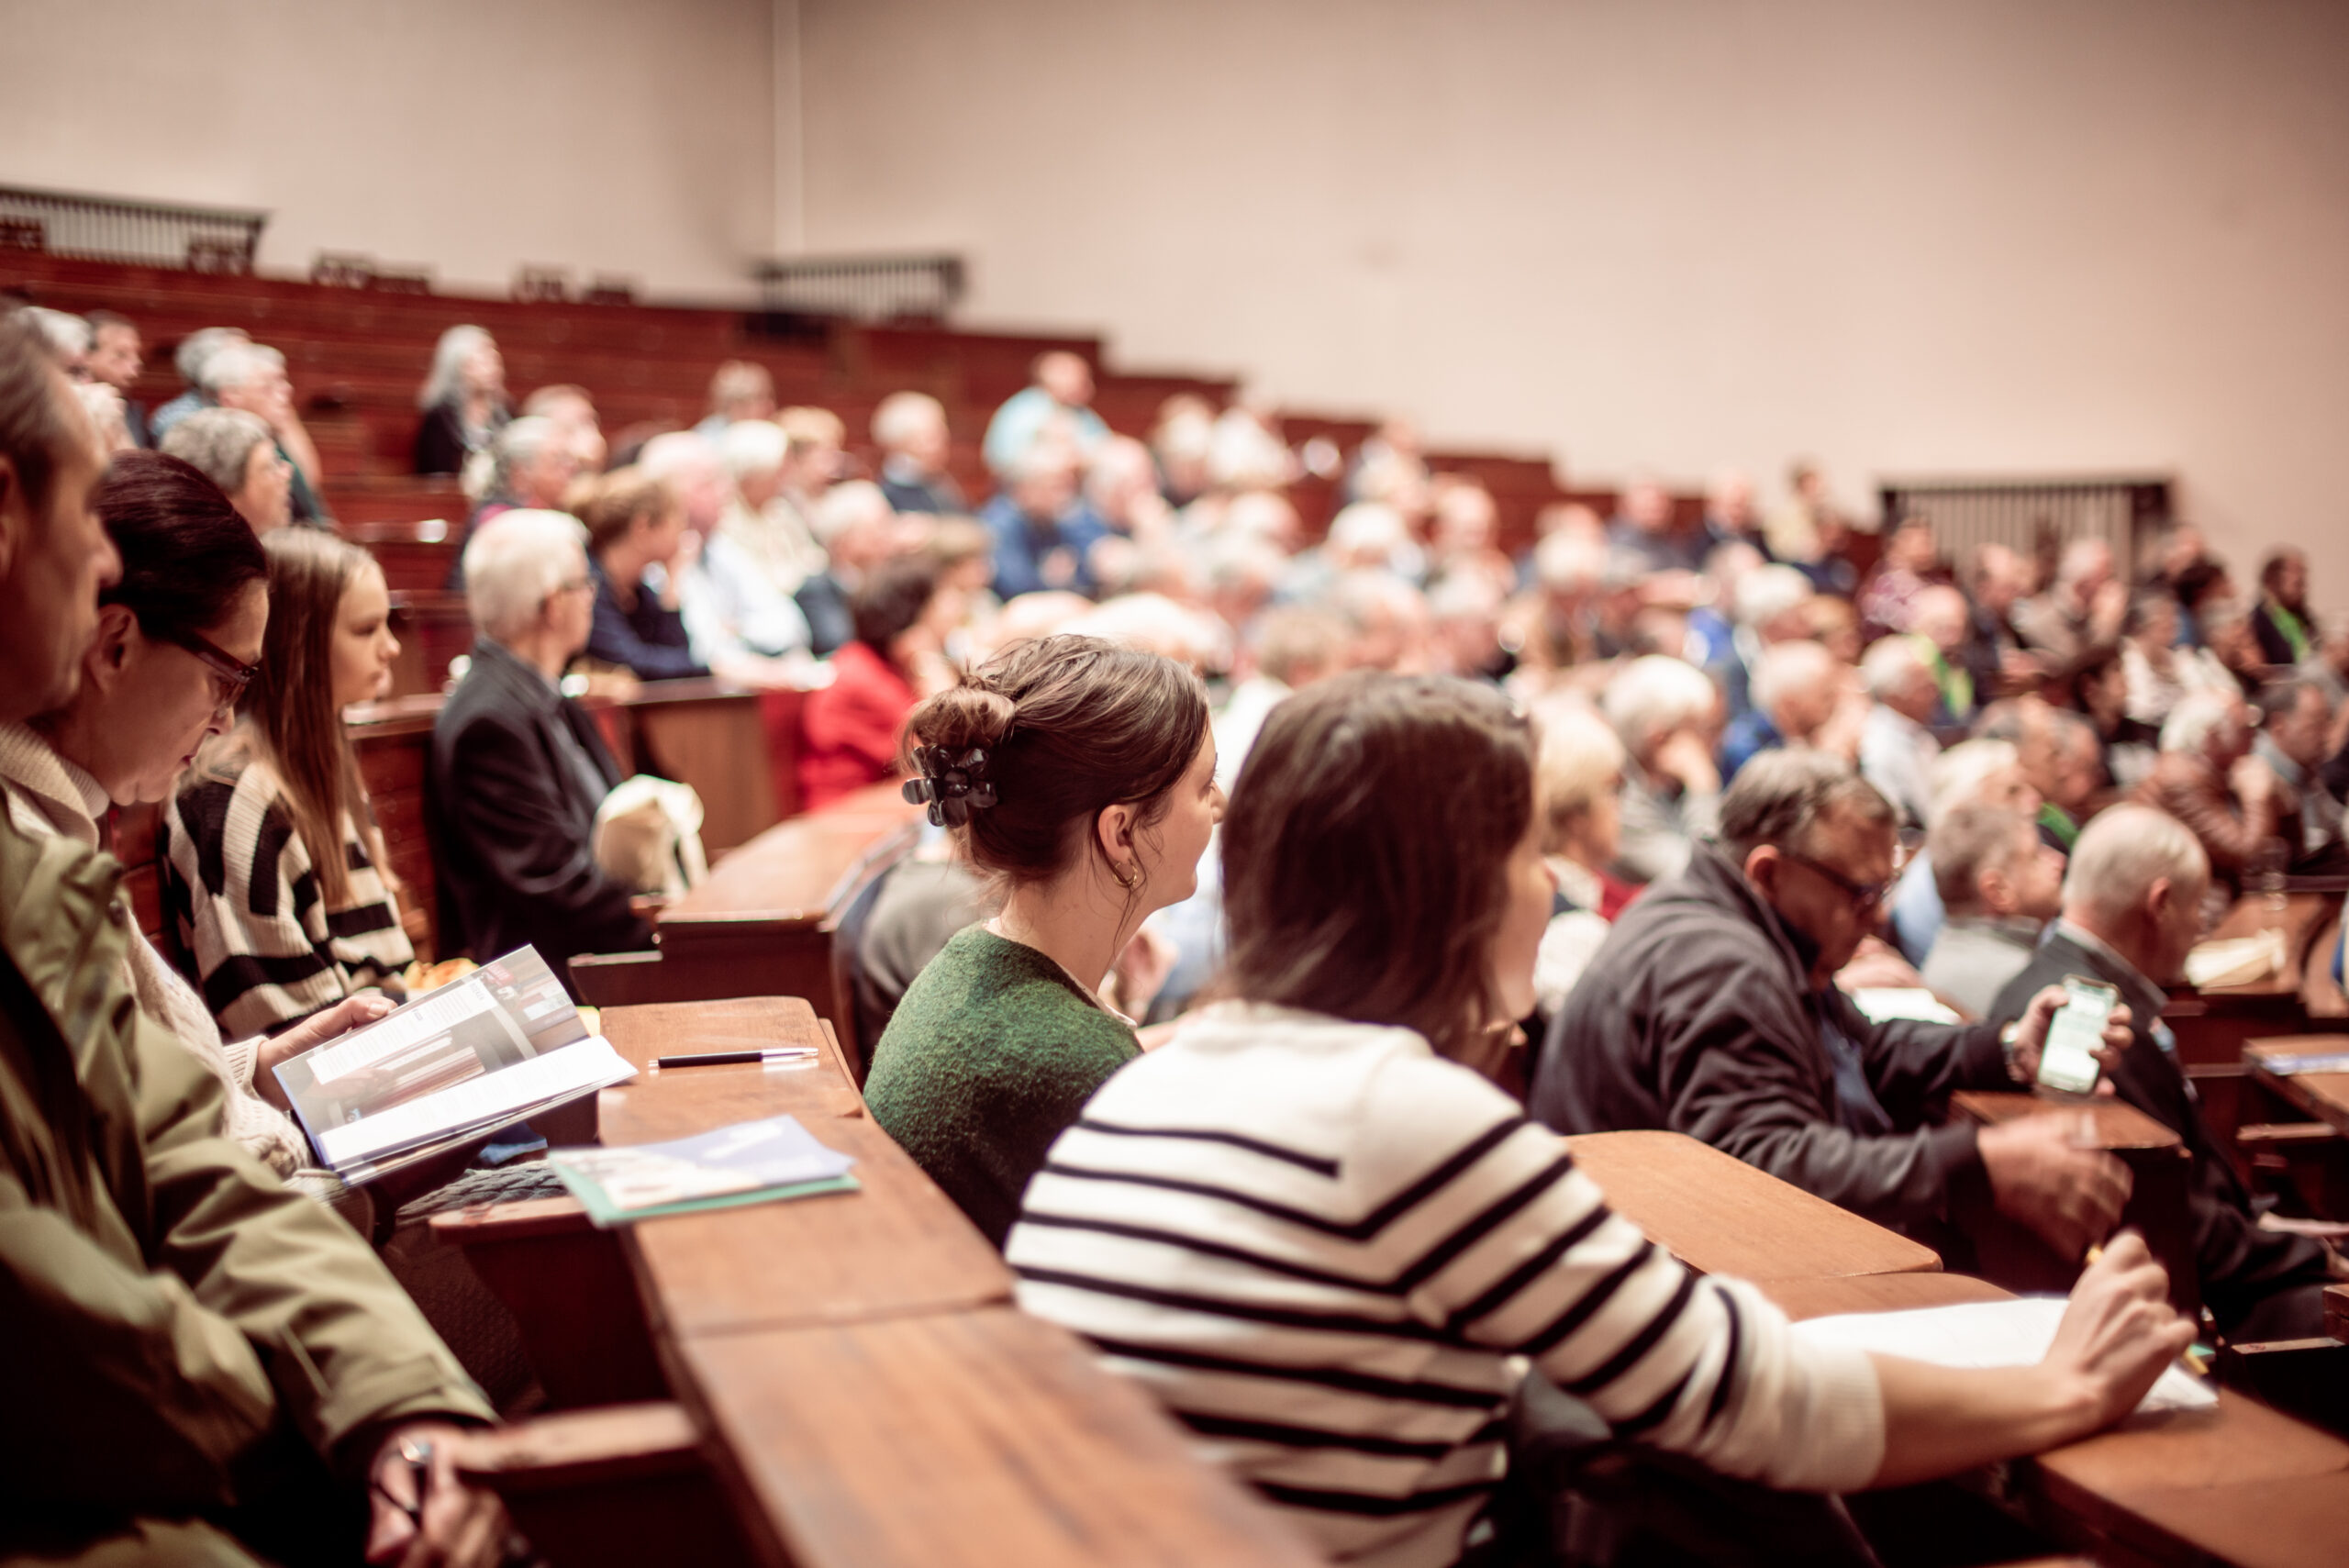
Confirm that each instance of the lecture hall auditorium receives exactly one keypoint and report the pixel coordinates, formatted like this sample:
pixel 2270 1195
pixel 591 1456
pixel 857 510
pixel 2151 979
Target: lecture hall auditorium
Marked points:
pixel 1032 790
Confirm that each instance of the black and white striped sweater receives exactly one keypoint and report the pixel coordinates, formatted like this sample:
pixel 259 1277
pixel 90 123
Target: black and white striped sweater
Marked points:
pixel 1327 1249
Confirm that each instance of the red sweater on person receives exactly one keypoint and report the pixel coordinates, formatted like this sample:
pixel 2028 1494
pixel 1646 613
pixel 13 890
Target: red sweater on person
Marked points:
pixel 849 731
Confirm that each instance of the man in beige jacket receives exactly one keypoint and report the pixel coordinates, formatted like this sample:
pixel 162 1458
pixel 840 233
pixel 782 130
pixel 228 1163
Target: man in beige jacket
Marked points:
pixel 200 1361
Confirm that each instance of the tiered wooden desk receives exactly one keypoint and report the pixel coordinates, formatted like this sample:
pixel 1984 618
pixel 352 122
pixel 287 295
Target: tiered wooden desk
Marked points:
pixel 765 923
pixel 863 1387
pixel 2212 1023
pixel 2238 1484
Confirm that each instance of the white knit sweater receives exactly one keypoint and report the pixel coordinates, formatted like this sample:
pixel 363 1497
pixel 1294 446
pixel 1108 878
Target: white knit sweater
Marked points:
pixel 1332 1252
pixel 51 797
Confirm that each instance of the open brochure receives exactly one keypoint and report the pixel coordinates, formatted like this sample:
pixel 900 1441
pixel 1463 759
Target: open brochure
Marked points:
pixel 498 1045
pixel 752 1162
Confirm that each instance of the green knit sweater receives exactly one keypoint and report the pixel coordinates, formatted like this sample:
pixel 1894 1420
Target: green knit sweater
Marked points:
pixel 991 1053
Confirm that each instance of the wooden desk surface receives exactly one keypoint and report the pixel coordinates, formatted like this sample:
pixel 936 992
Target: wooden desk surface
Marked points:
pixel 896 1245
pixel 790 873
pixel 1719 1215
pixel 1801 1298
pixel 2118 1124
pixel 2171 1486
pixel 968 1438
pixel 2301 916
pixel 2324 1096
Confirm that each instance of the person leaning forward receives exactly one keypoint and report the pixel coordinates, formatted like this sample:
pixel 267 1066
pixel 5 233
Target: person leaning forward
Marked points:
pixel 1711 1010
pixel 204 1364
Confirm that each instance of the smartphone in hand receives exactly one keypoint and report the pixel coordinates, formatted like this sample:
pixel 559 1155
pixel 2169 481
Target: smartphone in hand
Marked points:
pixel 2067 1061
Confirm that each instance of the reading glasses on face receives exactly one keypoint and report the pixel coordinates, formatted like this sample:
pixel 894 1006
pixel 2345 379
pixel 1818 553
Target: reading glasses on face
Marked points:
pixel 1864 896
pixel 229 676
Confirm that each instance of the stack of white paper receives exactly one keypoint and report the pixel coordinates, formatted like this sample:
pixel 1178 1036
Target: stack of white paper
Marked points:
pixel 1985 1334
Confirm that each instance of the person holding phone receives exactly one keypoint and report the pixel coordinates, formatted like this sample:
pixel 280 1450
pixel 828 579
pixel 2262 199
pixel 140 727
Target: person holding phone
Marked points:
pixel 1712 1010
pixel 2131 910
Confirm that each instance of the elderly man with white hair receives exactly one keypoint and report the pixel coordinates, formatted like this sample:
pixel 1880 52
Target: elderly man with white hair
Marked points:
pixel 235 451
pixel 2133 904
pixel 251 376
pixel 1972 772
pixel 1896 751
pixel 1803 696
pixel 518 768
pixel 2232 803
pixel 1667 714
pixel 910 430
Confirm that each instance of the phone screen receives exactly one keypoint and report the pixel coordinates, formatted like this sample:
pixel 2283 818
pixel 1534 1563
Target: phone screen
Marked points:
pixel 2067 1061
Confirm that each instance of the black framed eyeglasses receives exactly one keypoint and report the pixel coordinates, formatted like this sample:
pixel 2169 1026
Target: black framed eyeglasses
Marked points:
pixel 230 677
pixel 1864 896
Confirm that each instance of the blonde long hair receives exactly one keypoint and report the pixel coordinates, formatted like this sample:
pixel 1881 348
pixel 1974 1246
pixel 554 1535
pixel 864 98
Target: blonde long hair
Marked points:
pixel 290 719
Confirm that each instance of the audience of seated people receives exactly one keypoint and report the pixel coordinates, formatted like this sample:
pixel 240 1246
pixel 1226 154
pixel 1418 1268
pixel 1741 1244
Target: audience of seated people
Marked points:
pixel 164 1270
pixel 1312 1226
pixel 1723 716
pixel 273 866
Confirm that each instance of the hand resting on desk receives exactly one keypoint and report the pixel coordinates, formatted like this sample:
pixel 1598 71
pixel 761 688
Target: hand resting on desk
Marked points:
pixel 2118 1334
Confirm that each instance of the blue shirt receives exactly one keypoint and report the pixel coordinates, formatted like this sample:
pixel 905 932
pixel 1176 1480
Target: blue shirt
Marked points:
pixel 1021 544
pixel 1749 735
pixel 648 638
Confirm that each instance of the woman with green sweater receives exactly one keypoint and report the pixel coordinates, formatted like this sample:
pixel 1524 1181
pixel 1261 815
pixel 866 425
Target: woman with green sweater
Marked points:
pixel 1080 776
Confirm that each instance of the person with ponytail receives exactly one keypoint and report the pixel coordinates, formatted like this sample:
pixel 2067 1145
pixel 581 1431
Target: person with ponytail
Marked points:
pixel 274 869
pixel 1078 777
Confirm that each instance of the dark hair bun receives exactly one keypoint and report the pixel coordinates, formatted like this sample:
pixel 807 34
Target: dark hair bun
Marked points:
pixel 1070 725
pixel 968 714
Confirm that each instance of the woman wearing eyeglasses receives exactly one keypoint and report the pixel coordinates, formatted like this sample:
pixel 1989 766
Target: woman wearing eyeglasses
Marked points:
pixel 178 639
pixel 275 870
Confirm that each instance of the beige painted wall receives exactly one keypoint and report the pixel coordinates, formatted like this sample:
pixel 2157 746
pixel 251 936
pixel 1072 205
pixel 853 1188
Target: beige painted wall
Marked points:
pixel 472 136
pixel 1975 235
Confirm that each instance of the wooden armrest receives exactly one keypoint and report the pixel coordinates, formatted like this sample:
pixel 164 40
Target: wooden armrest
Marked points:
pixel 583 1448
pixel 2285 1134
pixel 527 1220
pixel 615 1486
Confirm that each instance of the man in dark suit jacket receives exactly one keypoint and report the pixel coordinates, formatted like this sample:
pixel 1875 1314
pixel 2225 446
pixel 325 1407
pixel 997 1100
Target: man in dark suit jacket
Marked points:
pixel 518 768
pixel 2132 902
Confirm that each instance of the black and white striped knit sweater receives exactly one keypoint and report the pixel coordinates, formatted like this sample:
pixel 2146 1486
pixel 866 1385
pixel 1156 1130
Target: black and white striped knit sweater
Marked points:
pixel 1327 1249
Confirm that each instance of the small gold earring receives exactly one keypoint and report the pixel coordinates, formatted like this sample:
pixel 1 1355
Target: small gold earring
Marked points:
pixel 1128 876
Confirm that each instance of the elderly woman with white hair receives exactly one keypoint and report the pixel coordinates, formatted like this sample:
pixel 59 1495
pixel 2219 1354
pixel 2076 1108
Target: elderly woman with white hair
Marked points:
pixel 251 376
pixel 1667 714
pixel 463 400
pixel 518 768
pixel 235 451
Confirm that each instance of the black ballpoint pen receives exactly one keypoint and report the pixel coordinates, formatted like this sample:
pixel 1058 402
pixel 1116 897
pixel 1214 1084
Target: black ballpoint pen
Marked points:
pixel 717 1058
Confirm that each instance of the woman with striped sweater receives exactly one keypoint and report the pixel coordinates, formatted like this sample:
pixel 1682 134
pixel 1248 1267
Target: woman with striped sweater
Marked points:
pixel 1315 1228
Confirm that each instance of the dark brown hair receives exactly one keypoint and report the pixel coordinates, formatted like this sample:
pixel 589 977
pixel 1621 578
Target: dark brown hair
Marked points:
pixel 1366 851
pixel 35 427
pixel 290 717
pixel 890 599
pixel 1070 726
pixel 187 556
